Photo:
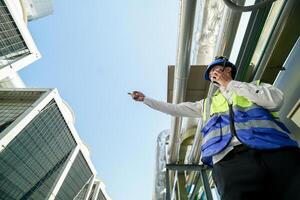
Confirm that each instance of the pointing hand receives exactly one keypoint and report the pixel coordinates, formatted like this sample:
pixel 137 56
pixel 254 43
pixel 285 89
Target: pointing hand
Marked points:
pixel 137 96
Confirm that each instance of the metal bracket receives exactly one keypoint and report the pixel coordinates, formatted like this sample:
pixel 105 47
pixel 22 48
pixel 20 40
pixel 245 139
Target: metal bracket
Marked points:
pixel 190 167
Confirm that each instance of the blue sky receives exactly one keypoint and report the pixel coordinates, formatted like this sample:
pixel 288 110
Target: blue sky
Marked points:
pixel 96 51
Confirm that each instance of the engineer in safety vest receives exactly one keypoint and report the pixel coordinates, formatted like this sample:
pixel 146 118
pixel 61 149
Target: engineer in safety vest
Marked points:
pixel 252 153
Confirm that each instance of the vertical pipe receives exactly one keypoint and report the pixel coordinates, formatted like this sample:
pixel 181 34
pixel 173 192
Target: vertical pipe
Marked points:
pixel 226 36
pixel 288 7
pixel 206 184
pixel 168 193
pixel 186 24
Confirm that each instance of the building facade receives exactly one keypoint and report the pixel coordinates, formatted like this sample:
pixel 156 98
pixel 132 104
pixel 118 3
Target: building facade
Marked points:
pixel 36 9
pixel 41 154
pixel 17 48
pixel 98 191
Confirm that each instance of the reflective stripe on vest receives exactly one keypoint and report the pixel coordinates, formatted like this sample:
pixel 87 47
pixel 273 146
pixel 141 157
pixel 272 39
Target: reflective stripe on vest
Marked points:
pixel 255 126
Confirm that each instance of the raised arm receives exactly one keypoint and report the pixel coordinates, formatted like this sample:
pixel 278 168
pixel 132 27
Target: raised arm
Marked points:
pixel 264 94
pixel 185 109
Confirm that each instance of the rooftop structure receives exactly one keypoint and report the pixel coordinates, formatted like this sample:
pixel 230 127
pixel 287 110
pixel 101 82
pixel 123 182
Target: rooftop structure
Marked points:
pixel 41 154
pixel 17 48
pixel 36 9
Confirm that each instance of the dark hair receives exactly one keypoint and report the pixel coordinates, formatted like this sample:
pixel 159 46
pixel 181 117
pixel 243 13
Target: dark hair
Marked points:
pixel 227 63
pixel 221 57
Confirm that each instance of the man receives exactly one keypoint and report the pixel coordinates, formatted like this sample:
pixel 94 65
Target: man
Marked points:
pixel 252 153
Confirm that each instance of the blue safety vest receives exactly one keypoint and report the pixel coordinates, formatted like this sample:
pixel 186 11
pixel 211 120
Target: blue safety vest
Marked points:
pixel 254 125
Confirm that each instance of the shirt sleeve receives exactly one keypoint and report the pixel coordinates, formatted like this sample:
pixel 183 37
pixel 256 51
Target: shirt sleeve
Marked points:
pixel 265 95
pixel 185 109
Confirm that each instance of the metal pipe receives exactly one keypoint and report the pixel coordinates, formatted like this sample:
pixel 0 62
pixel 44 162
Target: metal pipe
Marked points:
pixel 206 184
pixel 288 7
pixel 25 12
pixel 250 40
pixel 227 32
pixel 227 35
pixel 186 24
pixel 207 21
pixel 229 26
pixel 160 166
pixel 256 6
pixel 12 81
pixel 168 193
pixel 197 185
pixel 209 18
pixel 194 155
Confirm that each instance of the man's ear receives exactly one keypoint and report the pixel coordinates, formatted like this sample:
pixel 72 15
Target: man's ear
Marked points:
pixel 228 69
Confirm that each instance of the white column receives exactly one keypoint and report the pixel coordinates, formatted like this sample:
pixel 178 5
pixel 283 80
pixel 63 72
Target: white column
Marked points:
pixel 89 189
pixel 97 189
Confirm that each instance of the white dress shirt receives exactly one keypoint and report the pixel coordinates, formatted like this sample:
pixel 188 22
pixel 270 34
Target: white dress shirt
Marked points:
pixel 264 95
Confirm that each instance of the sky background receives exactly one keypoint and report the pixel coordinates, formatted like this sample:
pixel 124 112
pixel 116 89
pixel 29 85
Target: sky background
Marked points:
pixel 96 51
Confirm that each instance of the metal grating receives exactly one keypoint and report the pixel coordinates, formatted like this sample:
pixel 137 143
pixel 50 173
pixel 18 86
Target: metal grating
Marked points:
pixel 76 179
pixel 19 95
pixel 12 44
pixel 31 162
pixel 13 104
pixel 37 191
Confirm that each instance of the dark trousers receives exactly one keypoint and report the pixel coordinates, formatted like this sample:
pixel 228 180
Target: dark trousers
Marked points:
pixel 256 174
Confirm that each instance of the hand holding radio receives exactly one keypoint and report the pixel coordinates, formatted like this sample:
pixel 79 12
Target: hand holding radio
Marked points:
pixel 221 75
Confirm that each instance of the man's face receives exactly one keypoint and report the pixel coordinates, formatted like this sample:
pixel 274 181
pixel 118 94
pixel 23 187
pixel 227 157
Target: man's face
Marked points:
pixel 218 68
pixel 220 76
